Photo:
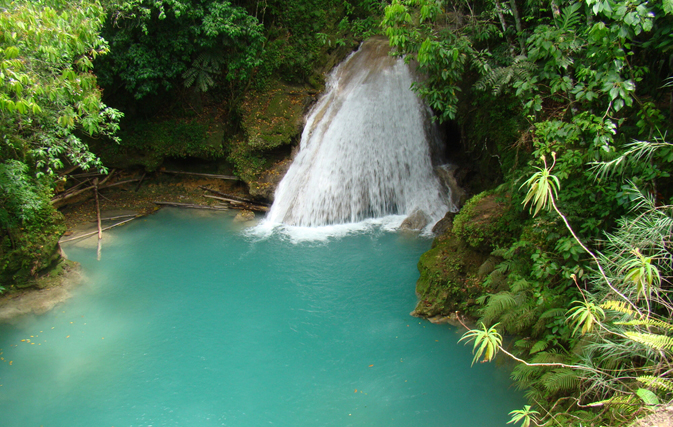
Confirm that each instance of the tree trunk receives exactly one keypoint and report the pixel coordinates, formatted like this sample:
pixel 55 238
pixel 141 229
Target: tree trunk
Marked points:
pixel 501 17
pixel 519 27
pixel 554 8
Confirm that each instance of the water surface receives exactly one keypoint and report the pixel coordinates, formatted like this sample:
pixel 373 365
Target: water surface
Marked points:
pixel 188 320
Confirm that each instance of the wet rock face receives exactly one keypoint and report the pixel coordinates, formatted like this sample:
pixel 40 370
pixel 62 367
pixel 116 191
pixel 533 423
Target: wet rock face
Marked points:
pixel 445 224
pixel 447 176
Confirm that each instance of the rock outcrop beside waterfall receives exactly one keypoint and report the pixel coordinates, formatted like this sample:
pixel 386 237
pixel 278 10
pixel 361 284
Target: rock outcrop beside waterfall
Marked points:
pixel 452 272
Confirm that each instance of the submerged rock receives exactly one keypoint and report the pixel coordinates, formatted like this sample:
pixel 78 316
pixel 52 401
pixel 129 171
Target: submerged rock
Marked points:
pixel 244 216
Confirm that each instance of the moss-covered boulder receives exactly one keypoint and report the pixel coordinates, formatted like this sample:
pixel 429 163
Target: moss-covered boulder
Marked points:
pixel 452 272
pixel 271 124
pixel 274 117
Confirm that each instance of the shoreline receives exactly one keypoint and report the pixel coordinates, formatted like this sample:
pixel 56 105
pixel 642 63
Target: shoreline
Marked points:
pixel 51 290
pixel 56 285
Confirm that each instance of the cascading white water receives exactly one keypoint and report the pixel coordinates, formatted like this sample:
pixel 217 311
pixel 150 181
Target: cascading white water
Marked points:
pixel 364 152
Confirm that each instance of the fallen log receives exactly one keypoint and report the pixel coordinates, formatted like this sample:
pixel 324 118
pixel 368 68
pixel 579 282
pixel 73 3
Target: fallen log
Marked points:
pixel 207 175
pixel 140 183
pixel 189 205
pixel 239 205
pixel 69 170
pixel 112 218
pixel 236 198
pixel 95 232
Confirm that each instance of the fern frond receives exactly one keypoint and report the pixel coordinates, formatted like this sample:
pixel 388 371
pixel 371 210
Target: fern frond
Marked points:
pixel 548 357
pixel 505 266
pixel 618 306
pixel 523 343
pixel 521 317
pixel 648 322
pixel 561 380
pixel 539 346
pixel 553 312
pixel 657 383
pixel 498 79
pixel 497 305
pixel 520 285
pixel 654 341
pixel 570 17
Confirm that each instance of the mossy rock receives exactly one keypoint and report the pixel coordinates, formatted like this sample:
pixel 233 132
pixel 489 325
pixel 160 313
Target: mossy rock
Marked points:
pixel 274 117
pixel 146 143
pixel 481 223
pixel 271 121
pixel 32 250
pixel 449 278
pixel 452 272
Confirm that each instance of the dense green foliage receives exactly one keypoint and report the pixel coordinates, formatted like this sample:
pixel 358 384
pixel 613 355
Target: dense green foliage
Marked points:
pixel 49 99
pixel 584 85
pixel 156 44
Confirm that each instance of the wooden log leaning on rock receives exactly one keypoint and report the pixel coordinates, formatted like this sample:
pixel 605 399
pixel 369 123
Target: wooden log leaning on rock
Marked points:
pixel 206 175
pixel 235 198
pixel 190 206
pixel 235 204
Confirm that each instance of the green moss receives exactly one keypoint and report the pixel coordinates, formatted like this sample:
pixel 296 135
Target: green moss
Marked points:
pixel 271 123
pixel 29 251
pixel 148 143
pixel 450 275
pixel 482 222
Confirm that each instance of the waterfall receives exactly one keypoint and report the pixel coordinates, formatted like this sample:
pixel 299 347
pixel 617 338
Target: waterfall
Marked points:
pixel 365 149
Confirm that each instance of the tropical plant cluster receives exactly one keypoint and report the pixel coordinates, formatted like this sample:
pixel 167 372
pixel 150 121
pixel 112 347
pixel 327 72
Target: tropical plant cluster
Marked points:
pixel 571 102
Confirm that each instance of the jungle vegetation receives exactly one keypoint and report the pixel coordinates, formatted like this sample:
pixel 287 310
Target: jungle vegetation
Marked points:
pixel 570 102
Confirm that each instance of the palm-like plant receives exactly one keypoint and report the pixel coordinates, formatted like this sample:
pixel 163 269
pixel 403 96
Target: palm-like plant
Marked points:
pixel 585 316
pixel 526 415
pixel 641 272
pixel 486 342
pixel 543 187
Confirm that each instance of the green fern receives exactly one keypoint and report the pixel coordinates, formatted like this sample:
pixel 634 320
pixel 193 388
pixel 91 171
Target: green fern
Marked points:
pixel 618 306
pixel 648 322
pixel 498 79
pixel 539 346
pixel 498 304
pixel 657 383
pixel 561 380
pixel 653 341
pixel 570 17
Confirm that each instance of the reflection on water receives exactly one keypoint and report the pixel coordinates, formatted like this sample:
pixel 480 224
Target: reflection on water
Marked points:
pixel 190 321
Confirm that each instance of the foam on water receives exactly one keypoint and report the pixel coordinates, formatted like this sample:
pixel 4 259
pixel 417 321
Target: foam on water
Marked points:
pixel 324 233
